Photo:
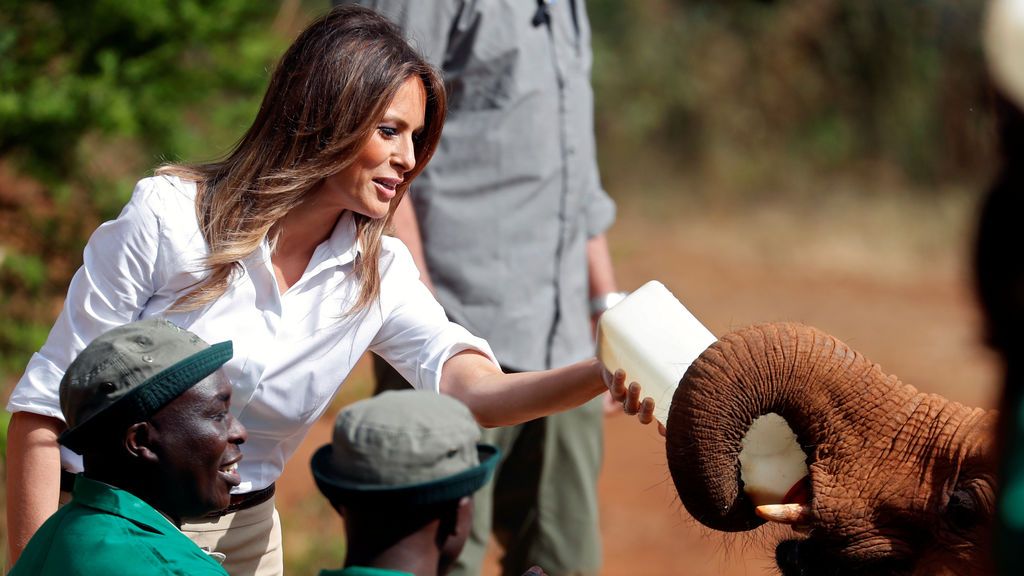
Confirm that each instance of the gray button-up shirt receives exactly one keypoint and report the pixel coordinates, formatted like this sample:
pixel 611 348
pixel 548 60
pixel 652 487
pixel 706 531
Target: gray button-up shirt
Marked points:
pixel 513 192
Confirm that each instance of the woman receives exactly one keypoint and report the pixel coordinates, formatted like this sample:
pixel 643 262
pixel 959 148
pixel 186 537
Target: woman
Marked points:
pixel 280 248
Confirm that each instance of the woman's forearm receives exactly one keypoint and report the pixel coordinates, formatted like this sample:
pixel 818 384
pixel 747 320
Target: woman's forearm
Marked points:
pixel 498 399
pixel 33 476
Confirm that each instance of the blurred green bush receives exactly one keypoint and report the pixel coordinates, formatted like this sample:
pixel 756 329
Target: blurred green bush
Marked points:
pixel 747 93
pixel 92 96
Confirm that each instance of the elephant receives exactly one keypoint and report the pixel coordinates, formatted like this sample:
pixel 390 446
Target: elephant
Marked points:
pixel 900 481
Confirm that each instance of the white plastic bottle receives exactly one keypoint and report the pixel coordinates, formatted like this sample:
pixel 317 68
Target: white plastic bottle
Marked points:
pixel 654 339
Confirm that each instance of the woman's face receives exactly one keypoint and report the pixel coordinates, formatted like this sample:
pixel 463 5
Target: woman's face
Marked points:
pixel 369 184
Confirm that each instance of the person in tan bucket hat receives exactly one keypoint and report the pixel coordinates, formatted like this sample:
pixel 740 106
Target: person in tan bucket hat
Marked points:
pixel 401 470
pixel 147 408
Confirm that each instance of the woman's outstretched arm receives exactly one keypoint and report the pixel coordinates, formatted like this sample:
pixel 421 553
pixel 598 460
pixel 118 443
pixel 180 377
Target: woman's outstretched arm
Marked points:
pixel 499 399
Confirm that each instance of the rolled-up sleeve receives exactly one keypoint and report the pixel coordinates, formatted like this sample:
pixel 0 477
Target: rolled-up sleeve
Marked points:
pixel 599 208
pixel 110 289
pixel 416 336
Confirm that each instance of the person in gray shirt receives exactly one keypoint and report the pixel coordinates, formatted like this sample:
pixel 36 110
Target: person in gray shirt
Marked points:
pixel 507 226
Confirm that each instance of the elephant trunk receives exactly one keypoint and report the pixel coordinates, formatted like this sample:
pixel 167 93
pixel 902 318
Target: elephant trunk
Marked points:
pixel 809 378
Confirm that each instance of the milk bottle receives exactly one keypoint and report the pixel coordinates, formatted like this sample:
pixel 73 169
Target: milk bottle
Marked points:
pixel 654 339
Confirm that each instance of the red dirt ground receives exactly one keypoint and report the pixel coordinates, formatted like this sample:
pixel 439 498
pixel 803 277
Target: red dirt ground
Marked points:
pixel 902 302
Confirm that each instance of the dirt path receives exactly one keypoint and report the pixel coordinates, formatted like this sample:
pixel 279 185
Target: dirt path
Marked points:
pixel 910 311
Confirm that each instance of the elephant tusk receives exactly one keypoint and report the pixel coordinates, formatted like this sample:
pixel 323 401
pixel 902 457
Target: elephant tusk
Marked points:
pixel 785 513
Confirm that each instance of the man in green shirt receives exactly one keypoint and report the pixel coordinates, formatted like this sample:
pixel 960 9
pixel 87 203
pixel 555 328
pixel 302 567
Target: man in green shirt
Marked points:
pixel 401 470
pixel 146 406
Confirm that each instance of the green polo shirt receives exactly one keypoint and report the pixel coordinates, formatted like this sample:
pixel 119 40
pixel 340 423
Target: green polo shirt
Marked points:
pixel 105 530
pixel 364 571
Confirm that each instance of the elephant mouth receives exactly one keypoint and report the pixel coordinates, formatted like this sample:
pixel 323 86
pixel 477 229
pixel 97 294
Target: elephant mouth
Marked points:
pixel 813 557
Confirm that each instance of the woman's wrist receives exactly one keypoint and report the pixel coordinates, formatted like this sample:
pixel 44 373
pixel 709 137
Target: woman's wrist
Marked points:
pixel 601 380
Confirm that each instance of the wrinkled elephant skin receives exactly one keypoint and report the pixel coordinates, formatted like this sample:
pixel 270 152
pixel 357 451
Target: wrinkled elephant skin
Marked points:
pixel 901 482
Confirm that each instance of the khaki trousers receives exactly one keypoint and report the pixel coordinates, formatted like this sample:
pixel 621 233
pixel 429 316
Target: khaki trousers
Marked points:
pixel 250 539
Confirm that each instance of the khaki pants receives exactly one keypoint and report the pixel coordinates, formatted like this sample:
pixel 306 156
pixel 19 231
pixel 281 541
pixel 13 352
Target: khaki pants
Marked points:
pixel 541 504
pixel 250 538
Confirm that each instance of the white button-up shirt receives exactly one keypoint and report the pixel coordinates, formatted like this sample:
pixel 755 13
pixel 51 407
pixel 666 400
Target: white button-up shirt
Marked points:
pixel 292 351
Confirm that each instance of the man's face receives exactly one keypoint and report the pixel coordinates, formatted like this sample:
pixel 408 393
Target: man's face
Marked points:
pixel 197 443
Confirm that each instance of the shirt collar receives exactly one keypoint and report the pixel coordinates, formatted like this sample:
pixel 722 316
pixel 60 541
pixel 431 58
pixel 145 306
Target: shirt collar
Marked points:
pixel 340 249
pixel 107 498
pixel 343 243
pixel 112 500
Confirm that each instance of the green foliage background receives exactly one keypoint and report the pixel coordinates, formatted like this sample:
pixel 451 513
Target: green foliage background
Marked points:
pixel 713 101
pixel 93 95
pixel 750 93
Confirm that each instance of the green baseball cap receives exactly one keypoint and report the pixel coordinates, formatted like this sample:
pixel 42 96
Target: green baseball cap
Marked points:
pixel 409 447
pixel 129 373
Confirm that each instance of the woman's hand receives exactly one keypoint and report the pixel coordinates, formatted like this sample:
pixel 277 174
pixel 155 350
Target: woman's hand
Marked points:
pixel 629 396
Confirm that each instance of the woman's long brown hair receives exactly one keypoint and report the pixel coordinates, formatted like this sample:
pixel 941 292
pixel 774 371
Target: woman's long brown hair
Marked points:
pixel 326 97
